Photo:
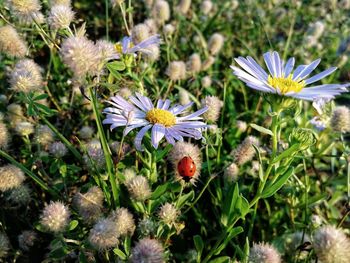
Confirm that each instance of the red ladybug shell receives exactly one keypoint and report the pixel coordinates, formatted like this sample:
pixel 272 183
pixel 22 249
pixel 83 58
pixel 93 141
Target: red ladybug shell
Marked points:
pixel 186 168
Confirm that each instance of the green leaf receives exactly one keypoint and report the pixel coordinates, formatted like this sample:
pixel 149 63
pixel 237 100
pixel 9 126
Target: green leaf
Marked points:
pixel 127 245
pixel 40 97
pixel 160 154
pixel 59 253
pixel 287 153
pixel 72 225
pixel 115 66
pixel 120 253
pixel 271 189
pixel 261 129
pixel 233 232
pixel 224 259
pixel 159 191
pixel 184 198
pixel 199 244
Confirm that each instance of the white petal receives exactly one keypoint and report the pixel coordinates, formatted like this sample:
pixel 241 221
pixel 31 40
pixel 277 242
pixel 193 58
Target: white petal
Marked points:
pixel 319 76
pixel 306 70
pixel 139 137
pixel 158 132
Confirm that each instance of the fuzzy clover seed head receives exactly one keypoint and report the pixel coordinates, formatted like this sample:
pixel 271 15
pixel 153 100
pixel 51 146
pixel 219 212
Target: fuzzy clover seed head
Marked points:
pixel 94 155
pixel 184 6
pixel 4 136
pixel 27 239
pixel 245 151
pixel 10 177
pixel 264 253
pixel 25 10
pixel 340 120
pixel 90 204
pixel 26 76
pixel 139 188
pixel 215 43
pixel 55 217
pixel 161 11
pixel 11 43
pixel 206 81
pixel 148 251
pixel 206 7
pixel 168 213
pixel 139 33
pixel 104 234
pixel 194 63
pixel 231 173
pixel 44 135
pixel 20 195
pixel 208 63
pixel 214 105
pixel 24 128
pixel 241 126
pixel 86 132
pixel 331 245
pixel 58 149
pixel 146 227
pixel 184 97
pixel 60 2
pixel 176 70
pixel 60 17
pixel 124 221
pixel 4 245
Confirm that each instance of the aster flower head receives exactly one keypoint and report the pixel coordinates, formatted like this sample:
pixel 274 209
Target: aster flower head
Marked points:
pixel 164 121
pixel 282 80
pixel 127 46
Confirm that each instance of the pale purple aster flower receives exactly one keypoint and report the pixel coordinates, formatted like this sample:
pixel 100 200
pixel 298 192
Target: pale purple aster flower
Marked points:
pixel 281 80
pixel 162 119
pixel 126 46
pixel 318 123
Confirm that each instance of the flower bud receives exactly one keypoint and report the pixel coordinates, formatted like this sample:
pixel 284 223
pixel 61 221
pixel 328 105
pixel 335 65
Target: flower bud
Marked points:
pixel 304 137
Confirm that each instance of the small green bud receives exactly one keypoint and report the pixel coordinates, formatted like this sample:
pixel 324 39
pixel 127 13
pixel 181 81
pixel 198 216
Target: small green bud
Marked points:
pixel 305 137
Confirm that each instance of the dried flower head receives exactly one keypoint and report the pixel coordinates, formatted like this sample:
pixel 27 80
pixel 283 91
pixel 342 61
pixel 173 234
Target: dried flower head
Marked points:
pixel 208 63
pixel 19 195
pixel 27 239
pixel 44 135
pixel 206 7
pixel 60 2
pixel 139 33
pixel 129 174
pixel 152 26
pixel 316 29
pixel 105 49
pixel 60 17
pixel 168 30
pixel 176 70
pixel 194 63
pixel 231 173
pixel 340 120
pixel 125 92
pixel 245 151
pixel 146 227
pixel 148 250
pixel 206 81
pixel 4 245
pixel 168 213
pixel 89 205
pixel 104 234
pixel 139 188
pixel 331 245
pixel 10 177
pixel 14 114
pixel 94 155
pixel 184 6
pixel 184 97
pixel 86 132
pixel 58 149
pixel 4 136
pixel 25 10
pixel 181 150
pixel 215 43
pixel 11 43
pixel 26 76
pixel 24 128
pixel 161 11
pixel 214 105
pixel 264 253
pixel 124 221
pixel 241 126
pixel 55 217
pixel 80 55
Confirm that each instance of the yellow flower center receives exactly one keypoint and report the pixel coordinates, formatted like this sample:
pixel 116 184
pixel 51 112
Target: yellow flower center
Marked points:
pixel 285 85
pixel 119 48
pixel 164 117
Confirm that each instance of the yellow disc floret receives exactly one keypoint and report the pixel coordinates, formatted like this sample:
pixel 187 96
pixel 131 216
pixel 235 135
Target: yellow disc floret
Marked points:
pixel 119 47
pixel 164 117
pixel 285 85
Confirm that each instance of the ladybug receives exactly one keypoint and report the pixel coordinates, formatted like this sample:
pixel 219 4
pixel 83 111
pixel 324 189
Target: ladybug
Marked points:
pixel 186 168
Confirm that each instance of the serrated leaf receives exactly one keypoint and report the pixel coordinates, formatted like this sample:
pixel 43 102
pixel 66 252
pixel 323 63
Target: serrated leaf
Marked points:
pixel 261 129
pixel 273 188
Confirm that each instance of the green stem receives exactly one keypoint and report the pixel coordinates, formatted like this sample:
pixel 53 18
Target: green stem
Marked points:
pixel 62 138
pixel 106 150
pixel 107 18
pixel 39 181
